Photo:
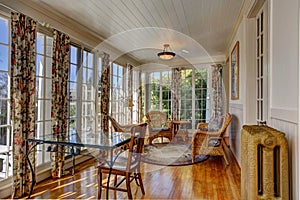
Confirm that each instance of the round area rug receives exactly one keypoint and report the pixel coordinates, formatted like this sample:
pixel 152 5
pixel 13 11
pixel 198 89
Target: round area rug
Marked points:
pixel 170 154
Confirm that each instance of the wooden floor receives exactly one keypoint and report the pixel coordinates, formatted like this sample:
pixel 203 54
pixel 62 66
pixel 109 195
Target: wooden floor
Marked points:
pixel 211 179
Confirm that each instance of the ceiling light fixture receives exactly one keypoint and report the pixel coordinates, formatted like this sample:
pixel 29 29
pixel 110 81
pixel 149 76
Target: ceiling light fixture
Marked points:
pixel 165 54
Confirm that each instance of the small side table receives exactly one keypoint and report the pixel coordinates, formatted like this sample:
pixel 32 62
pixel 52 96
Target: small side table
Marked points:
pixel 176 132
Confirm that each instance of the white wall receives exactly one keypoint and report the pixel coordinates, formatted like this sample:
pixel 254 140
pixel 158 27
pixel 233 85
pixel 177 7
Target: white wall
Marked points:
pixel 284 76
pixel 237 107
pixel 284 54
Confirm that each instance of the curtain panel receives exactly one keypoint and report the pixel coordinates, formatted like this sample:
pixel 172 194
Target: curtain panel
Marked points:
pixel 105 92
pixel 130 92
pixel 175 95
pixel 140 98
pixel 23 86
pixel 217 91
pixel 59 109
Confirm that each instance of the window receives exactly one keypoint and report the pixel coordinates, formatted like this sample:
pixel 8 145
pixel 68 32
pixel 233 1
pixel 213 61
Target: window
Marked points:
pixel 194 102
pixel 73 85
pixel 81 91
pixel 88 94
pixel 44 46
pixel 119 89
pixel 166 83
pixel 186 97
pixel 261 65
pixel 135 96
pixel 5 126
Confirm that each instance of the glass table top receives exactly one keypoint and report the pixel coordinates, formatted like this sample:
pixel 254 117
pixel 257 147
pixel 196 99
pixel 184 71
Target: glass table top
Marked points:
pixel 104 140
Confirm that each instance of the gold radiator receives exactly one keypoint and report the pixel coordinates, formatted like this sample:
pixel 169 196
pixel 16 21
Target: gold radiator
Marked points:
pixel 264 160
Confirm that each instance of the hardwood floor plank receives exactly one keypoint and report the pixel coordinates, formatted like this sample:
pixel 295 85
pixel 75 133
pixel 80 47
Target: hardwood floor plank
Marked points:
pixel 211 179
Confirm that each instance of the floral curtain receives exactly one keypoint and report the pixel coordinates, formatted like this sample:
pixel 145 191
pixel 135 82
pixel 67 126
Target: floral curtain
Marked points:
pixel 23 68
pixel 176 74
pixel 130 92
pixel 217 92
pixel 59 110
pixel 105 93
pixel 139 98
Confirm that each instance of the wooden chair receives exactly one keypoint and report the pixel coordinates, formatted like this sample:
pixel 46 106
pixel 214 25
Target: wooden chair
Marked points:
pixel 158 126
pixel 118 127
pixel 127 164
pixel 208 138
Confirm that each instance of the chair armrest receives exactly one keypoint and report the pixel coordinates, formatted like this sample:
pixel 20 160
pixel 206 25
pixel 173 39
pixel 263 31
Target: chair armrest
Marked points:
pixel 127 128
pixel 169 124
pixel 202 125
pixel 207 133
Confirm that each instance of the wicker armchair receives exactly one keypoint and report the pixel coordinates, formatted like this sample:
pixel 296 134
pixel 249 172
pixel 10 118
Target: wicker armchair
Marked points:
pixel 208 138
pixel 159 126
pixel 118 127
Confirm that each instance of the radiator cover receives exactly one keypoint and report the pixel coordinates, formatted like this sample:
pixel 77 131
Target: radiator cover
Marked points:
pixel 264 163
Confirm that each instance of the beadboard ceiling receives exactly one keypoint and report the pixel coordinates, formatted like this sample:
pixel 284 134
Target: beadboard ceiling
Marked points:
pixel 198 31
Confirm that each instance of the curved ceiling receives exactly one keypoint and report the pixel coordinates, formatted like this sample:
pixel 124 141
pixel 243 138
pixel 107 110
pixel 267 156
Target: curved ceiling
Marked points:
pixel 198 31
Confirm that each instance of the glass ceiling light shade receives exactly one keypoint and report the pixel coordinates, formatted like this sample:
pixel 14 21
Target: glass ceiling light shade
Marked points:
pixel 165 54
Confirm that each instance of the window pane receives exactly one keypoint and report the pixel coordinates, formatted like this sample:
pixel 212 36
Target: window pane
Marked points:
pixel 3 57
pixel 49 50
pixel 3 136
pixel 3 112
pixel 39 65
pixel 84 59
pixel 90 77
pixel 40 112
pixel 40 43
pixel 47 110
pixel 40 87
pixel 48 92
pixel 73 109
pixel 72 125
pixel 48 67
pixel 84 75
pixel 73 92
pixel 73 54
pixel 3 85
pixel 73 73
pixel 4 31
pixel 91 60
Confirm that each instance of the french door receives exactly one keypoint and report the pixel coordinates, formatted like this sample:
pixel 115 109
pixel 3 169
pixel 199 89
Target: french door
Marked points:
pixel 262 65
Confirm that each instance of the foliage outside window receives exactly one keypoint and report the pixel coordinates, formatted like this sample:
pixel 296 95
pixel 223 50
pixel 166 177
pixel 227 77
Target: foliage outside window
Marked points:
pixel 194 106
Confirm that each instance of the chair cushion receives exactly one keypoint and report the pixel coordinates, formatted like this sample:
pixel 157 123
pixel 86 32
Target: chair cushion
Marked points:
pixel 160 129
pixel 120 162
pixel 215 124
pixel 214 142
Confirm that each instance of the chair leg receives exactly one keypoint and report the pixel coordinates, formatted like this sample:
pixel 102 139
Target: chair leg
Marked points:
pixel 99 184
pixel 193 154
pixel 128 186
pixel 224 153
pixel 116 180
pixel 141 182
pixel 226 161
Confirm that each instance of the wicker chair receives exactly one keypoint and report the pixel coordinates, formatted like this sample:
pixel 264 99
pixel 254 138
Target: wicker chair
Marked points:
pixel 126 165
pixel 208 138
pixel 159 126
pixel 118 127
